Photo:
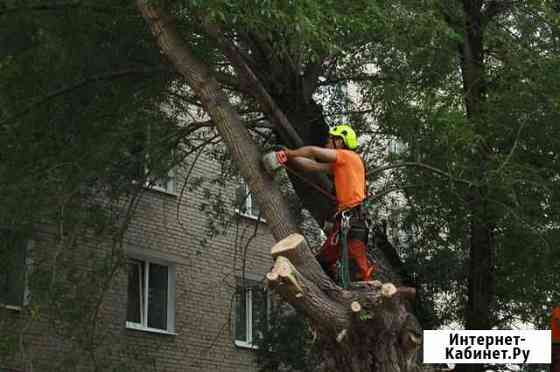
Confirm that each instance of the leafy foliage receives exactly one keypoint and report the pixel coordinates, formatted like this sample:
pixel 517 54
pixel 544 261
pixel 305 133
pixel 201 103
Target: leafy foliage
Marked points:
pixel 287 344
pixel 83 84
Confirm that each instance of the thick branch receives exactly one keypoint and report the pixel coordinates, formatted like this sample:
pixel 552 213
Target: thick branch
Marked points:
pixel 259 92
pixel 295 248
pixel 307 298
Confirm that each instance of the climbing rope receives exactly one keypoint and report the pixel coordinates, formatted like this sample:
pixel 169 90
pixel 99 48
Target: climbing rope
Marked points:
pixel 310 183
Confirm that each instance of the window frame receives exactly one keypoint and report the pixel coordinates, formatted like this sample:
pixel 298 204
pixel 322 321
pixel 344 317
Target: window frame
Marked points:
pixel 171 290
pixel 27 265
pixel 248 288
pixel 248 203
pixel 170 186
pixel 396 147
pixel 156 183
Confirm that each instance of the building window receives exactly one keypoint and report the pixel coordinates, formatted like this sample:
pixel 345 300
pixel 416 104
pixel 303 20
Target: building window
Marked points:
pixel 251 312
pixel 151 296
pixel 13 247
pixel 153 160
pixel 163 183
pixel 396 147
pixel 247 203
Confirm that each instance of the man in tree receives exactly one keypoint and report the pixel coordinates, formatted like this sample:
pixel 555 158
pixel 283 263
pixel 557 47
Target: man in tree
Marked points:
pixel 555 328
pixel 339 159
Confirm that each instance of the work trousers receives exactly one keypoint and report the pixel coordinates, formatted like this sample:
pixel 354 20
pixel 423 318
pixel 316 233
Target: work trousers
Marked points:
pixel 357 251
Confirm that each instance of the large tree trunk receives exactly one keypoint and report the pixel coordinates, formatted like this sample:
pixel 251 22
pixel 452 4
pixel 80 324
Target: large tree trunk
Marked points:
pixel 368 328
pixel 481 275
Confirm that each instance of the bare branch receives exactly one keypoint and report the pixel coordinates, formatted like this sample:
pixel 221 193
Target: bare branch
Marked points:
pixel 424 166
pixel 513 148
pixel 199 149
pixel 353 78
pixel 379 195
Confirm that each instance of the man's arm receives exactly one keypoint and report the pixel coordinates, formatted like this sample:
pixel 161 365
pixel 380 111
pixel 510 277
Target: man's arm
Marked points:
pixel 313 152
pixel 309 165
pixel 311 158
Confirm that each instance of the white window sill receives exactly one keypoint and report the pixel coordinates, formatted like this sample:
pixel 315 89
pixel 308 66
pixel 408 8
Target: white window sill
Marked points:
pixel 245 345
pixel 139 327
pixel 250 216
pixel 160 190
pixel 11 307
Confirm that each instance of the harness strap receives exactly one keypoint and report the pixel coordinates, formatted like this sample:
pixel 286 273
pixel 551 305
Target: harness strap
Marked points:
pixel 344 262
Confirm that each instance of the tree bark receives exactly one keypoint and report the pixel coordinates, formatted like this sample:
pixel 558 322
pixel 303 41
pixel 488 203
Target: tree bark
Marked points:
pixel 367 328
pixel 383 335
pixel 481 276
pixel 319 206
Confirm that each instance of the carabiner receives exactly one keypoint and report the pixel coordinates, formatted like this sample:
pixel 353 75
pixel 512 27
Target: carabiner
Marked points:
pixel 345 220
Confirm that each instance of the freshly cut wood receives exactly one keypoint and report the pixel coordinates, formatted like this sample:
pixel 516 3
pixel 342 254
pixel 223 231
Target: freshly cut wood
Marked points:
pixel 376 284
pixel 287 246
pixel 286 271
pixel 272 276
pixel 355 306
pixel 388 290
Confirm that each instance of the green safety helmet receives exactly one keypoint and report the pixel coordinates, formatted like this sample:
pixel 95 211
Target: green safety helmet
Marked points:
pixel 347 134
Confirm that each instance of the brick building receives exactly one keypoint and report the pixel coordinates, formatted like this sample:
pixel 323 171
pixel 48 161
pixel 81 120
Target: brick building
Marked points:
pixel 181 305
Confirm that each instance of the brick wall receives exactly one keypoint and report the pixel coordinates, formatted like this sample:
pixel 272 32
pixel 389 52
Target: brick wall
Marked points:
pixel 205 282
pixel 205 276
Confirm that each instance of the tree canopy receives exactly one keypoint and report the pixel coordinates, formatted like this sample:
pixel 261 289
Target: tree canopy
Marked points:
pixel 468 88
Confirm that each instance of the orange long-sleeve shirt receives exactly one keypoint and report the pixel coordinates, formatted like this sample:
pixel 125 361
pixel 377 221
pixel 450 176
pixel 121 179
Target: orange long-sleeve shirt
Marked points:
pixel 349 179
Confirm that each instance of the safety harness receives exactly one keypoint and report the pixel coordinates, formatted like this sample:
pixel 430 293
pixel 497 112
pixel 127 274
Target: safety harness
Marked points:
pixel 344 228
pixel 345 261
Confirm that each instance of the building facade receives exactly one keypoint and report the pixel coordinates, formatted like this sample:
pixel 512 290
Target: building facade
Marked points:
pixel 189 296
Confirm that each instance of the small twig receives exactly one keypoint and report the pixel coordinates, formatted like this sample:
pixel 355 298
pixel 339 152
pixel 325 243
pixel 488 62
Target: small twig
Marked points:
pixel 513 148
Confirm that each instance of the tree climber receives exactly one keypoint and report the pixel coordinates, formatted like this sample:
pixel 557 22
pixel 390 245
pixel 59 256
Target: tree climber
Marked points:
pixel 347 168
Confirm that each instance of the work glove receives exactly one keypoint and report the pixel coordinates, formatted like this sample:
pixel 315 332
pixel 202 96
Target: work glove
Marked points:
pixel 274 160
pixel 281 157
